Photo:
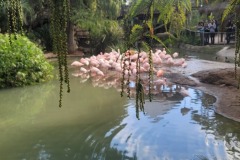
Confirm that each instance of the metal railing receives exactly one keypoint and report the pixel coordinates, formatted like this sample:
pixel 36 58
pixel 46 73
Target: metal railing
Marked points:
pixel 204 38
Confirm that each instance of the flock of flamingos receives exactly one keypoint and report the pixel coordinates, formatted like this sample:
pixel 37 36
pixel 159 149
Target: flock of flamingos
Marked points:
pixel 105 69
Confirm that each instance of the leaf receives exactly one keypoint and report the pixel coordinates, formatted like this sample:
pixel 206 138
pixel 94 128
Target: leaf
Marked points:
pixel 136 33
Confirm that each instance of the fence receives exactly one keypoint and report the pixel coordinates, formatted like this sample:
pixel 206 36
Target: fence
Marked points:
pixel 203 38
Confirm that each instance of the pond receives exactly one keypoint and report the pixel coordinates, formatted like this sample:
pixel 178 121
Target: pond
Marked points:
pixel 95 122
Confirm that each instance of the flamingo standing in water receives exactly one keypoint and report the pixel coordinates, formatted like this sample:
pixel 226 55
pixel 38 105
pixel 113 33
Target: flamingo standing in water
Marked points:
pixel 84 70
pixel 84 61
pixel 160 73
pixel 77 64
pixel 184 92
pixel 175 54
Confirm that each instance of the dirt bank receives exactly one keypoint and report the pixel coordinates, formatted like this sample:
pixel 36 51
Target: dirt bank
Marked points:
pixel 217 79
pixel 222 84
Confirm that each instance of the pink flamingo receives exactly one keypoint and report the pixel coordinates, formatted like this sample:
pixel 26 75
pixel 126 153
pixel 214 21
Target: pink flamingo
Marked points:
pixel 77 64
pixel 84 61
pixel 179 62
pixel 160 73
pixel 146 65
pixel 94 62
pixel 184 65
pixel 82 69
pixel 184 92
pixel 161 81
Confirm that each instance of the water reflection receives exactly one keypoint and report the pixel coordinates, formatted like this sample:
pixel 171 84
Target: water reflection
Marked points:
pixel 96 123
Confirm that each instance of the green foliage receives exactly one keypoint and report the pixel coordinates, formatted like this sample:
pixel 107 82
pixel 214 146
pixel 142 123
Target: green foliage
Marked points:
pixel 230 8
pixel 172 15
pixel 136 34
pixel 190 37
pixel 41 36
pixel 103 32
pixel 138 6
pixel 22 63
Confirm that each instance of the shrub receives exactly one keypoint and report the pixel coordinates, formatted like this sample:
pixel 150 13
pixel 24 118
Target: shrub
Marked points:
pixel 22 62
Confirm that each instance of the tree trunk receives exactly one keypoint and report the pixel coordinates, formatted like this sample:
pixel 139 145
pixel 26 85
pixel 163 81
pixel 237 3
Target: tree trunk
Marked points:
pixel 71 40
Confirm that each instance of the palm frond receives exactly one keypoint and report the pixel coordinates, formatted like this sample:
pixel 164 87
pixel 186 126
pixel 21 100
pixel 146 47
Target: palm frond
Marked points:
pixel 145 46
pixel 136 33
pixel 157 39
pixel 138 6
pixel 230 8
pixel 150 27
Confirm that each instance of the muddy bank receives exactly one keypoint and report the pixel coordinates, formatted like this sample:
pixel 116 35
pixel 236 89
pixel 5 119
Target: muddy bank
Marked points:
pixel 222 84
pixel 215 78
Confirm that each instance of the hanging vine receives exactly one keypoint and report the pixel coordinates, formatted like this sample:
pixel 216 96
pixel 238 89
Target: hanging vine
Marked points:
pixel 123 63
pixel 140 99
pixel 128 78
pixel 58 26
pixel 150 75
pixel 14 17
pixel 237 54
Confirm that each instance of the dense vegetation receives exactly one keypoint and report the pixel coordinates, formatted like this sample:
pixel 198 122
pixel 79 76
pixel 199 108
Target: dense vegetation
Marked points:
pixel 22 63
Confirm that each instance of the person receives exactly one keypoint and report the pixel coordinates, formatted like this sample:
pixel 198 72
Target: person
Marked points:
pixel 229 29
pixel 212 27
pixel 200 29
pixel 216 23
pixel 206 32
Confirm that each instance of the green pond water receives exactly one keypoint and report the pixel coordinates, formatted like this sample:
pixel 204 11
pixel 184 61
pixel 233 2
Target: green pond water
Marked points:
pixel 95 123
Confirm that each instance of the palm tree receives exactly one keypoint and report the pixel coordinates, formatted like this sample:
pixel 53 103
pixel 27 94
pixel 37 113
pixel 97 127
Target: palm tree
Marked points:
pixel 171 14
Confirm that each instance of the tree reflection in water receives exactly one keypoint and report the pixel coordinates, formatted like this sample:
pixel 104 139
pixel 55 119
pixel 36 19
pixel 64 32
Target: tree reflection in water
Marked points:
pixel 217 125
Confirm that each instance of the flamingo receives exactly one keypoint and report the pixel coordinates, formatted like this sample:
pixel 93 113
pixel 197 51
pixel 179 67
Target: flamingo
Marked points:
pixel 160 73
pixel 175 54
pixel 184 65
pixel 77 64
pixel 161 81
pixel 179 62
pixel 158 51
pixel 146 65
pixel 84 70
pixel 84 61
pixel 94 70
pixel 94 62
pixel 184 92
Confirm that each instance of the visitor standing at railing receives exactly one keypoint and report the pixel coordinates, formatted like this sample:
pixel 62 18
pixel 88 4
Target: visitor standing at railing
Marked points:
pixel 206 32
pixel 212 27
pixel 216 23
pixel 200 29
pixel 229 30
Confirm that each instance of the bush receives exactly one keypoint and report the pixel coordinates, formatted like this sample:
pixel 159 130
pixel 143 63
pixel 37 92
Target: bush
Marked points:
pixel 22 62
